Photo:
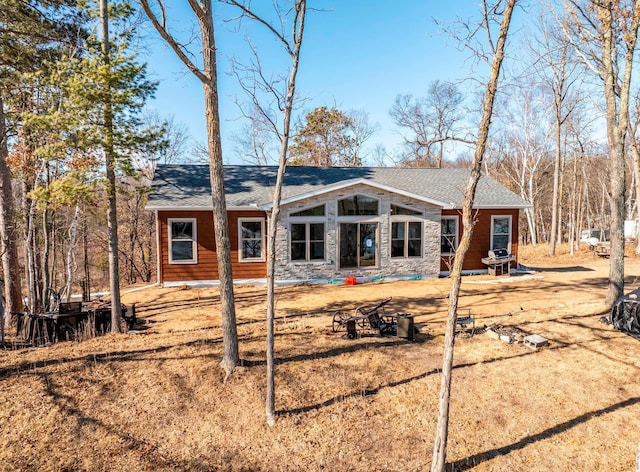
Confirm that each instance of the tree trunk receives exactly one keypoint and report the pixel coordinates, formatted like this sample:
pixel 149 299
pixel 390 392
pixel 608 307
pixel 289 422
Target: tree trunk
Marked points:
pixel 556 187
pixel 204 13
pixel 560 203
pixel 70 252
pixel 8 232
pixel 29 209
pixel 46 271
pixel 616 92
pixel 231 356
pixel 440 443
pixel 616 264
pixel 86 286
pixel 112 208
pixel 636 190
pixel 574 233
pixel 301 6
pixel 53 279
pixel 531 222
pixel 583 203
pixel 2 317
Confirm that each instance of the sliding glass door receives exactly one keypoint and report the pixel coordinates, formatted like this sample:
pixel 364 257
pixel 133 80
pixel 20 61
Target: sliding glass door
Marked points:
pixel 358 245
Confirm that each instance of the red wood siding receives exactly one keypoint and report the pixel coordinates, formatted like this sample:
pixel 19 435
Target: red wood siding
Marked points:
pixel 207 266
pixel 481 240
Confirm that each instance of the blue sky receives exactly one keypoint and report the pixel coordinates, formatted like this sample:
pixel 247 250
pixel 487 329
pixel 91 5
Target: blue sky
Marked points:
pixel 357 54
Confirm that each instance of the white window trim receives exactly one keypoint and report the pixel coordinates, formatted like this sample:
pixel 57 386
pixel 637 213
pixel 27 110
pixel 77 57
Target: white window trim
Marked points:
pixel 194 240
pixel 455 241
pixel 500 217
pixel 263 251
pixel 406 219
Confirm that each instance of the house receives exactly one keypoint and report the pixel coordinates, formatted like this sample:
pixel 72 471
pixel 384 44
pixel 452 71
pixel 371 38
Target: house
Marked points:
pixel 334 222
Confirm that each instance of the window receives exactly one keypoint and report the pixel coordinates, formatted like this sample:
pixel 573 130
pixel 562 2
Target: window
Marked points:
pixel 306 234
pixel 307 241
pixel 358 205
pixel 449 234
pixel 315 211
pixel 183 247
pixel 398 210
pixel 251 234
pixel 406 239
pixel 501 232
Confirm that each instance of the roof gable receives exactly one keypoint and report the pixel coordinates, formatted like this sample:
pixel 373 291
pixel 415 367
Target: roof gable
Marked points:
pixel 352 183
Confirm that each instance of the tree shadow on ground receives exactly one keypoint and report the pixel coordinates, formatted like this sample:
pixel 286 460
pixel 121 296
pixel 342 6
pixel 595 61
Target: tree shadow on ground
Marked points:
pixel 358 393
pixel 561 269
pixel 476 459
pixel 104 357
pixel 374 391
pixel 148 453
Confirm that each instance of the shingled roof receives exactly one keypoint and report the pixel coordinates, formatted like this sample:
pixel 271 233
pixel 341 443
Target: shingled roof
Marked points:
pixel 183 186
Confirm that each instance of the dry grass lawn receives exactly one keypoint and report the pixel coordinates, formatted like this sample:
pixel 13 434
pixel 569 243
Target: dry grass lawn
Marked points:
pixel 156 400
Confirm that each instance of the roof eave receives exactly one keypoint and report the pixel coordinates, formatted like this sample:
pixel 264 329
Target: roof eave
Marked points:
pixel 492 207
pixel 252 207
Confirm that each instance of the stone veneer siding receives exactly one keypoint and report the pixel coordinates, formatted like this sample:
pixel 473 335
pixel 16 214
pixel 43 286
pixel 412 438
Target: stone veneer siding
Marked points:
pixel 428 265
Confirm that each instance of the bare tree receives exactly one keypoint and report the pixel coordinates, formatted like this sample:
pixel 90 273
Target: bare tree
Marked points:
pixel 430 121
pixel 490 12
pixel 604 34
pixel 254 144
pixel 208 76
pixel 361 131
pixel 174 149
pixel 557 69
pixel 292 44
pixel 579 147
pixel 523 155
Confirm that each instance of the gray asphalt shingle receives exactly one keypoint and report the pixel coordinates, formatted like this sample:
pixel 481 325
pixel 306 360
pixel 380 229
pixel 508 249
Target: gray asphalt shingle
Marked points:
pixel 187 185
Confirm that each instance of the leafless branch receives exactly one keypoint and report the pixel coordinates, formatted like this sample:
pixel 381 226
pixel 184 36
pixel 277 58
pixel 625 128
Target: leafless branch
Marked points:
pixel 160 24
pixel 246 11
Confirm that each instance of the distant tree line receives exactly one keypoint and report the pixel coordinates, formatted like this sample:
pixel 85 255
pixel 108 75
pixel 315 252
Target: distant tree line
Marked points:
pixel 71 127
